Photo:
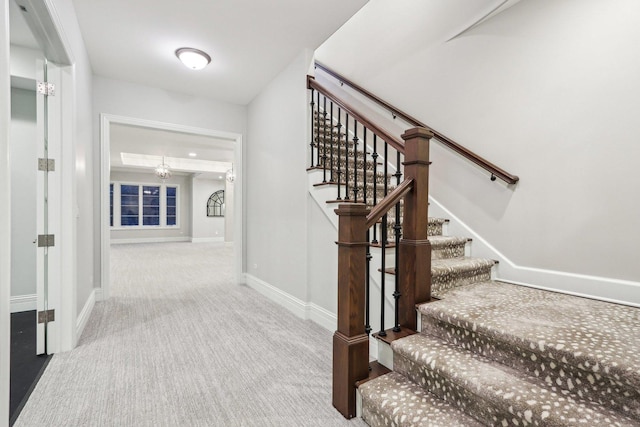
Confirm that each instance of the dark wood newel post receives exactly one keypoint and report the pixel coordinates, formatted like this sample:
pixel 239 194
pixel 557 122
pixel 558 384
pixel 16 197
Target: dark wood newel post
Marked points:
pixel 350 342
pixel 414 269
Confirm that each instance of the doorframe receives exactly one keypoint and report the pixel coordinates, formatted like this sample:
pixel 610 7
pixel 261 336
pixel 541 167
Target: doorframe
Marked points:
pixel 5 214
pixel 51 28
pixel 106 120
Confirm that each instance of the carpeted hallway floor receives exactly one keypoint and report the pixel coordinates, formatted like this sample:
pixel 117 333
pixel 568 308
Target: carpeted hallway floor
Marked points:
pixel 180 344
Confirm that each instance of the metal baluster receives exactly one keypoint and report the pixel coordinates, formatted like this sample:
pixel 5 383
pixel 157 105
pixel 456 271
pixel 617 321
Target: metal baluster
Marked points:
pixel 332 179
pixel 355 160
pixel 346 157
pixel 397 228
pixel 318 133
pixel 338 146
pixel 364 162
pixel 374 156
pixel 383 238
pixel 312 125
pixel 324 152
pixel 367 323
pixel 386 181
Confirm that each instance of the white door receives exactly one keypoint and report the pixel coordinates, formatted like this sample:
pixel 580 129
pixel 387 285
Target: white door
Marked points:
pixel 48 205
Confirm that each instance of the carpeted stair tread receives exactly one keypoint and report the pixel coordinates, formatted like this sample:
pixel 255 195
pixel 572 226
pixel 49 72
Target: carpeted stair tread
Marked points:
pixel 393 400
pixel 440 241
pixel 589 347
pixel 491 392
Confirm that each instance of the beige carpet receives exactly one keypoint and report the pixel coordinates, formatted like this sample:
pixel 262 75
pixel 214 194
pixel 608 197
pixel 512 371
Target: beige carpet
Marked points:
pixel 179 344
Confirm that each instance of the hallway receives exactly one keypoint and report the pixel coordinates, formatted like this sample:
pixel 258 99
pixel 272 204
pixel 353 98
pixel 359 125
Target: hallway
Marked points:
pixel 180 344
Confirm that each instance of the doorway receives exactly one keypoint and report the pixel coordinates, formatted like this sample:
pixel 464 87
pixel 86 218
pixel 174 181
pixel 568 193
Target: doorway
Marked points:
pixel 233 142
pixel 34 203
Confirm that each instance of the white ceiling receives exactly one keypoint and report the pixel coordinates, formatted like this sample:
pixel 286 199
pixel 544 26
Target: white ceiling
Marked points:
pixel 153 144
pixel 250 41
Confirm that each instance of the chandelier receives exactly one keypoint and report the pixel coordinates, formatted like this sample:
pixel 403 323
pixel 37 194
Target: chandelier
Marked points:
pixel 230 175
pixel 162 171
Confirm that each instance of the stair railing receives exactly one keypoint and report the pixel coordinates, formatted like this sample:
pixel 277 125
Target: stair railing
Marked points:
pixel 335 148
pixel 495 171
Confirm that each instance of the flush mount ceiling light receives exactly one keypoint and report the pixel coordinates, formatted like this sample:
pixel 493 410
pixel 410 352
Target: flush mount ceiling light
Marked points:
pixel 193 58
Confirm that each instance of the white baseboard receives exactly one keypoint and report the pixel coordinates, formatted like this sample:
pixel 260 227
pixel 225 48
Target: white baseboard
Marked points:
pixel 302 309
pixel 99 294
pixel 322 317
pixel 24 303
pixel 207 239
pixel 291 303
pixel 150 240
pixel 601 288
pixel 85 314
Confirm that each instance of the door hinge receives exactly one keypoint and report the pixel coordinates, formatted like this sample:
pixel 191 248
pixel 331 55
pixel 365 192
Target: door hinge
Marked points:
pixel 45 88
pixel 47 165
pixel 46 316
pixel 46 240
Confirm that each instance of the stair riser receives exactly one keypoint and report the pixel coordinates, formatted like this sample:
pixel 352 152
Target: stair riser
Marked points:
pixel 491 412
pixel 452 393
pixel 360 164
pixel 446 252
pixel 434 229
pixel 379 178
pixel 340 153
pixel 454 279
pixel 437 252
pixel 557 375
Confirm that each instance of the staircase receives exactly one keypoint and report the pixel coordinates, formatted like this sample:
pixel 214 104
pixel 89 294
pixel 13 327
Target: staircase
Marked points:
pixel 492 353
pixel 496 354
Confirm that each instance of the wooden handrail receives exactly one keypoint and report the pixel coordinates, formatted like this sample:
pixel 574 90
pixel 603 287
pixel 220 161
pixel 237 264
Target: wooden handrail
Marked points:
pixel 447 142
pixel 388 202
pixel 395 142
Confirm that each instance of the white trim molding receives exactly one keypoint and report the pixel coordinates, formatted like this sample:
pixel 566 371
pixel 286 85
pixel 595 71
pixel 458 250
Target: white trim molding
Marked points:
pixel 291 303
pixel 322 317
pixel 149 240
pixel 21 303
pixel 302 309
pixel 207 239
pixel 85 314
pixel 5 214
pixel 601 288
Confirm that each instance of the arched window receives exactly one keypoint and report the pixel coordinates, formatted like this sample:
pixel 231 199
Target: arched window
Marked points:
pixel 215 204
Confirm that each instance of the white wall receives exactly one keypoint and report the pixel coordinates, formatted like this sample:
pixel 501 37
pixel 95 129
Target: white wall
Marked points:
pixel 144 102
pixel 548 91
pixel 5 214
pixel 23 192
pixel 276 186
pixel 205 228
pixel 159 234
pixel 323 258
pixel 23 64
